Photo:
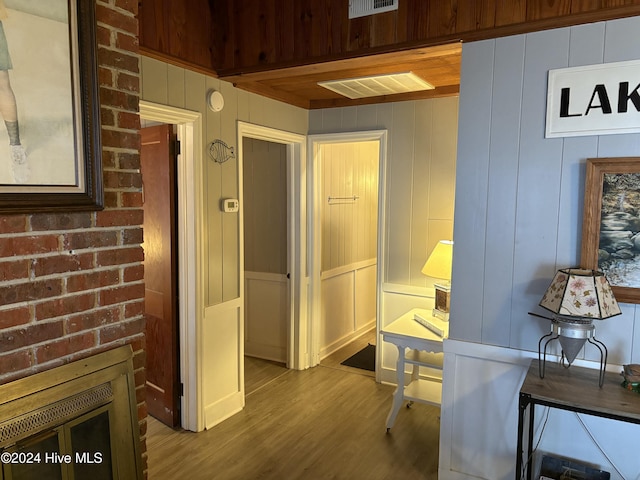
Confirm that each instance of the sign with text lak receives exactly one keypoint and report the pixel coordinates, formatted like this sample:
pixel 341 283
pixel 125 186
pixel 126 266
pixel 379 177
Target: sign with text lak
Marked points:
pixel 594 100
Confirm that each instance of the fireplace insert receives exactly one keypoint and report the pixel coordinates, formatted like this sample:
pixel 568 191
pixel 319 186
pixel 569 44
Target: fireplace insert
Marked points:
pixel 77 421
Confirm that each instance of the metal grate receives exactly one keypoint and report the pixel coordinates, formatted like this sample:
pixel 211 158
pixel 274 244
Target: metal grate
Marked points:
pixel 52 415
pixel 374 86
pixel 361 8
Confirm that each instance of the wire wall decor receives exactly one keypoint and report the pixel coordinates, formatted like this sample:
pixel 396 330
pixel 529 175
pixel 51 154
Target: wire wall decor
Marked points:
pixel 220 152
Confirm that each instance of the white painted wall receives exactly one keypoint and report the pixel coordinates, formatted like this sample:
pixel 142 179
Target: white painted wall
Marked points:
pixel 518 218
pixel 266 292
pixel 420 188
pixel 219 316
pixel 349 241
pixel 420 175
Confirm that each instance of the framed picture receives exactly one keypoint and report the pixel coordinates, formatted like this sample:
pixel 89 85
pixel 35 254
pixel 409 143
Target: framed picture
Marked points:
pixel 50 145
pixel 611 224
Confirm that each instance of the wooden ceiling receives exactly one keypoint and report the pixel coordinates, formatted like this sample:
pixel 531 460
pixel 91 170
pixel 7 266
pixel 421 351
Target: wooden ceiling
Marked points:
pixel 282 48
pixel 438 65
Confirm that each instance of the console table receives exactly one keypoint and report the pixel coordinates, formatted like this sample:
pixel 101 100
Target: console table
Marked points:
pixel 574 389
pixel 417 346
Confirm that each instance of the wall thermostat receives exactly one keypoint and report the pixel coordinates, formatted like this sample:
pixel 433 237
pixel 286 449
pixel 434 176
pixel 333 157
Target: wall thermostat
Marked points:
pixel 230 205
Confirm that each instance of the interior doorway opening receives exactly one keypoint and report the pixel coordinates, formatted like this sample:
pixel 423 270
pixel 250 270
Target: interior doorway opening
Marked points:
pixel 347 245
pixel 272 206
pixel 188 126
pixel 266 249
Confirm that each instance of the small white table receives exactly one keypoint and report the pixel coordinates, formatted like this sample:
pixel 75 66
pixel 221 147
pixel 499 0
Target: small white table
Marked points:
pixel 425 349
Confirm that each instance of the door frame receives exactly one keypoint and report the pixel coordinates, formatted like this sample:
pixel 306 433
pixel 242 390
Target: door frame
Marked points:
pixel 297 336
pixel 316 201
pixel 190 254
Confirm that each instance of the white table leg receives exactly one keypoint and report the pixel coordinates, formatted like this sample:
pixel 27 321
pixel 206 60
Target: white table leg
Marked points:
pixel 398 396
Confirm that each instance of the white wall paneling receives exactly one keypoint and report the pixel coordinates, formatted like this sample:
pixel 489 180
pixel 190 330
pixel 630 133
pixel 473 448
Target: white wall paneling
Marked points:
pixel 266 313
pixel 219 383
pixel 518 217
pixel 479 422
pixel 348 305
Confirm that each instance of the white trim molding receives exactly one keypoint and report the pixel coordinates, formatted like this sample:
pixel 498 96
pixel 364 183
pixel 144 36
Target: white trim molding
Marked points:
pixel 190 254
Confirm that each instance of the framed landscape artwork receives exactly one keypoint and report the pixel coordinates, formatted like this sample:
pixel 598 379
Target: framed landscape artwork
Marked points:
pixel 611 224
pixel 50 145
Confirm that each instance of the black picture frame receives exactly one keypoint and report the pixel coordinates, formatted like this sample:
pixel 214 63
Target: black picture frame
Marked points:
pixel 85 191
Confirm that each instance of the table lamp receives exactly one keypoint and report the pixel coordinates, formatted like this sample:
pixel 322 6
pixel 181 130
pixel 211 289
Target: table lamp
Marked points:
pixel 576 297
pixel 438 265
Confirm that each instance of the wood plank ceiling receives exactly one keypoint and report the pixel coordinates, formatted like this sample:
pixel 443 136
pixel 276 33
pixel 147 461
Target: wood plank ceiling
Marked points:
pixel 440 66
pixel 282 48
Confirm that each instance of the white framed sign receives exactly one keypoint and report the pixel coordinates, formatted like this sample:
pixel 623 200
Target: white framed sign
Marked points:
pixel 594 100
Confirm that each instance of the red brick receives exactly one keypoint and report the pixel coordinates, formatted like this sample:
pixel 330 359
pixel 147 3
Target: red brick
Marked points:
pixel 107 117
pixel 106 77
pixel 121 330
pixel 65 346
pixel 120 139
pixel 14 270
pixel 67 221
pixel 65 306
pixel 118 19
pixel 129 161
pixel 14 317
pixel 131 199
pixel 62 264
pixel 30 291
pixel 28 245
pixel 120 256
pixel 16 361
pixel 129 5
pixel 134 309
pixel 118 99
pixel 127 42
pixel 95 239
pixel 111 218
pixel 119 180
pixel 13 224
pixel 132 236
pixel 92 280
pixel 103 36
pixel 121 294
pixel 128 120
pixel 108 159
pixel 22 337
pixel 111 199
pixel 130 83
pixel 93 319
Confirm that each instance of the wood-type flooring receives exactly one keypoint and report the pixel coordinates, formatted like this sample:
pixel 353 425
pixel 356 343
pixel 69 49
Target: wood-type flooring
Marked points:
pixel 326 422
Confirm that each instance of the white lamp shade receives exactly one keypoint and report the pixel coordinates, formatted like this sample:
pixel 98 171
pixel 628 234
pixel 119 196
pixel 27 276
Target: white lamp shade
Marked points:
pixel 438 264
pixel 577 292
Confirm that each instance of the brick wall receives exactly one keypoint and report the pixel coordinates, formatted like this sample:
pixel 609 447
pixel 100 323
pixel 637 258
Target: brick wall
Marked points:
pixel 71 284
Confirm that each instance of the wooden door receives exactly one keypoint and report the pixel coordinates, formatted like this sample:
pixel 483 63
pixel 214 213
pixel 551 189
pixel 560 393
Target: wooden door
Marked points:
pixel 158 166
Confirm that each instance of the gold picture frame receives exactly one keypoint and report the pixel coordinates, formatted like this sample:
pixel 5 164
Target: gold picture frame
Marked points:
pixel 611 223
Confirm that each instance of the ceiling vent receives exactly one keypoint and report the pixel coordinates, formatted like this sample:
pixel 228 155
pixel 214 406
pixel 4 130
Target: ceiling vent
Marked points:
pixel 362 8
pixel 377 85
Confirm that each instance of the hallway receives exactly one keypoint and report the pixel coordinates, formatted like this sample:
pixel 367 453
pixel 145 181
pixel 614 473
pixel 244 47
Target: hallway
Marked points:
pixel 325 422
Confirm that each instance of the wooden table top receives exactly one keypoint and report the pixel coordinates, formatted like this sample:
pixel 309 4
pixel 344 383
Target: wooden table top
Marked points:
pixel 576 388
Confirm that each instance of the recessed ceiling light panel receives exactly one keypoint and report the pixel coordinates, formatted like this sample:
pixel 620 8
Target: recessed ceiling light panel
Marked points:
pixel 377 85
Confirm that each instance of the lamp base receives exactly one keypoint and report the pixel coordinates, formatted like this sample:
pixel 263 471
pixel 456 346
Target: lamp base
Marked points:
pixel 444 316
pixel 572 335
pixel 442 301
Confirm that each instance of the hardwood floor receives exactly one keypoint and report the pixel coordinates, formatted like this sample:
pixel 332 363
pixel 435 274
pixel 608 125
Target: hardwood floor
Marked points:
pixel 327 422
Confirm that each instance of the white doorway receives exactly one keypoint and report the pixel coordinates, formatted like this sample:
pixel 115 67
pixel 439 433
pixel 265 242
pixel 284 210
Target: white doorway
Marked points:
pixel 297 353
pixel 362 277
pixel 189 209
pixel 266 250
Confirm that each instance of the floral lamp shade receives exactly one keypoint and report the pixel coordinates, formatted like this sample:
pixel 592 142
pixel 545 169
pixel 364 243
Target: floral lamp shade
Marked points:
pixel 577 292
